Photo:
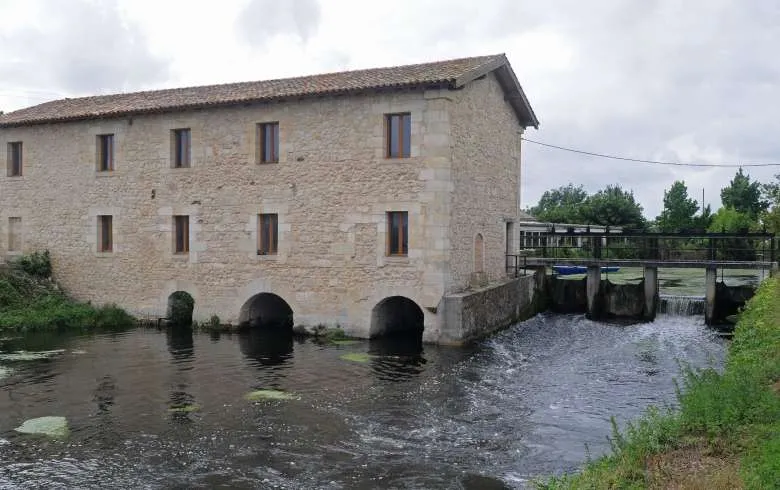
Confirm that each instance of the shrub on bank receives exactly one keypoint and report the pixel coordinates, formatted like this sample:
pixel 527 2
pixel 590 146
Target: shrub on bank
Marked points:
pixel 726 431
pixel 30 300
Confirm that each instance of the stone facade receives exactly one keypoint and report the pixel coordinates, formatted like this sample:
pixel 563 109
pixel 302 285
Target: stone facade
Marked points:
pixel 331 189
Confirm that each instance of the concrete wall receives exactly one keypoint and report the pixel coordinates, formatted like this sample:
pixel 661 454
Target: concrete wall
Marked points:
pixel 477 313
pixel 485 176
pixel 331 190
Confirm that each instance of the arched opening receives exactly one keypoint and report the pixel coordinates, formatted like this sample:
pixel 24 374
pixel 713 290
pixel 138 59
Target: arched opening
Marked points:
pixel 267 311
pixel 397 316
pixel 479 253
pixel 180 307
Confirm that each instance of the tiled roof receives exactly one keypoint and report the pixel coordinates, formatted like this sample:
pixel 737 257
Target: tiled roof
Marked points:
pixel 452 73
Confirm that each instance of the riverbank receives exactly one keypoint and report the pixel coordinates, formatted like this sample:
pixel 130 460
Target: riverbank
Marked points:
pixel 30 301
pixel 725 433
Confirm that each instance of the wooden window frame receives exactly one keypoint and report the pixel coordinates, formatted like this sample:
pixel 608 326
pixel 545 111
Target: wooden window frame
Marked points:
pixel 181 228
pixel 263 141
pixel 11 242
pixel 105 233
pixel 397 249
pixel 273 239
pixel 15 159
pixel 181 152
pixel 105 152
pixel 402 119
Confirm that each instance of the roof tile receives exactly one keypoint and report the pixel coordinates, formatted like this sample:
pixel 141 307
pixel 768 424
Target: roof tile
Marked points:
pixel 442 72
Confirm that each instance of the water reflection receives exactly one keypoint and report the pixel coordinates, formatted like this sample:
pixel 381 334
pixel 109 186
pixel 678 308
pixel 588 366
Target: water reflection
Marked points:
pixel 396 357
pixel 181 345
pixel 265 346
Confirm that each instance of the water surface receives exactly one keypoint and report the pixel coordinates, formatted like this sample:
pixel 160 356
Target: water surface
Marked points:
pixel 534 400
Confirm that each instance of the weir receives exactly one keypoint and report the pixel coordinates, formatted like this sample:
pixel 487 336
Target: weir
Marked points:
pixel 712 252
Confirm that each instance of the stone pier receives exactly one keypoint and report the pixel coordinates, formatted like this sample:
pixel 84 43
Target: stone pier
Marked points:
pixel 651 293
pixel 593 290
pixel 710 283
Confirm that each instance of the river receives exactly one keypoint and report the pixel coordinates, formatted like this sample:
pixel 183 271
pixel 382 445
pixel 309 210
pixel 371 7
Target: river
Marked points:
pixel 535 399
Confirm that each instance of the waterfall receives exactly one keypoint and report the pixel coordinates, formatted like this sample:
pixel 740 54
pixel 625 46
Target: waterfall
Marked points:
pixel 681 305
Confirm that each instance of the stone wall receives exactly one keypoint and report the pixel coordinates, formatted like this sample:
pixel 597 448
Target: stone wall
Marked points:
pixel 474 314
pixel 485 175
pixel 331 190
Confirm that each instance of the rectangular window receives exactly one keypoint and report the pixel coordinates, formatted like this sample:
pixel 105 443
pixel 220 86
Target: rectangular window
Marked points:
pixel 14 234
pixel 399 135
pixel 397 233
pixel 15 159
pixel 181 234
pixel 268 234
pixel 181 148
pixel 268 139
pixel 105 152
pixel 105 233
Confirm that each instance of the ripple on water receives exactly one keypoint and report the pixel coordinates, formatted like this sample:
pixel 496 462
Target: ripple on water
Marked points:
pixel 534 399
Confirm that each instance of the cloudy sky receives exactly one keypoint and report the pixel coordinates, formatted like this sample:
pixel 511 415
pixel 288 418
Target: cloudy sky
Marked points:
pixel 680 80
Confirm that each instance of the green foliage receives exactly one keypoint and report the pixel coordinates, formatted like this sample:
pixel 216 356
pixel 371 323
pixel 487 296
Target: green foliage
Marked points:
pixel 36 264
pixel 730 220
pixel 180 307
pixel 571 204
pixel 561 205
pixel 737 410
pixel 679 210
pixel 614 206
pixel 744 196
pixel 771 218
pixel 30 301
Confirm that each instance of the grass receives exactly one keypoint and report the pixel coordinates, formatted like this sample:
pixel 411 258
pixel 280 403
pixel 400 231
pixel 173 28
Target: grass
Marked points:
pixel 726 432
pixel 31 301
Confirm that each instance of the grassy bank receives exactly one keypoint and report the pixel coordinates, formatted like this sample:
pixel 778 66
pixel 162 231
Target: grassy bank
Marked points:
pixel 725 433
pixel 30 300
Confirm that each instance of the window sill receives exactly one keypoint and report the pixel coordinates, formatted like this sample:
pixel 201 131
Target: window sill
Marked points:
pixel 272 257
pixel 263 164
pixel 396 259
pixel 14 253
pixel 183 168
pixel 14 177
pixel 104 255
pixel 180 255
pixel 105 173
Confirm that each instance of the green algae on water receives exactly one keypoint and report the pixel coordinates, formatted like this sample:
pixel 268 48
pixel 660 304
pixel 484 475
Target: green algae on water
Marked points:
pixel 259 395
pixel 184 408
pixel 48 426
pixel 356 357
pixel 344 342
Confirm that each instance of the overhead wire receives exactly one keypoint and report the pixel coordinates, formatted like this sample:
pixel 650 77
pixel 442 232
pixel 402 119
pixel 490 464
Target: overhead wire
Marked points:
pixel 654 162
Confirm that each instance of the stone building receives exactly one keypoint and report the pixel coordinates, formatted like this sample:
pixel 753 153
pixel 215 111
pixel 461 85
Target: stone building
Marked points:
pixel 360 199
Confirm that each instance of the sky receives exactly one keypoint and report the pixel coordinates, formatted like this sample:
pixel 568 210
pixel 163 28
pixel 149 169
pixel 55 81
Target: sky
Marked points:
pixel 690 81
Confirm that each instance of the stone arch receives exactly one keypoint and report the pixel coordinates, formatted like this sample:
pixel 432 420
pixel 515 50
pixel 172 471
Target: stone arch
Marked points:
pixel 396 316
pixel 479 253
pixel 267 311
pixel 180 308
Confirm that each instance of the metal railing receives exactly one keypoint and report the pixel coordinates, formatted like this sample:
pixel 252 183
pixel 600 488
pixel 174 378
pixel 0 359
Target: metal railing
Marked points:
pixel 655 247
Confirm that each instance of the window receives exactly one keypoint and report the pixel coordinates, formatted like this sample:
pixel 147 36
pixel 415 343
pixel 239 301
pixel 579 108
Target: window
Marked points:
pixel 397 233
pixel 268 138
pixel 181 148
pixel 105 233
pixel 268 234
pixel 181 234
pixel 399 135
pixel 15 159
pixel 14 234
pixel 105 152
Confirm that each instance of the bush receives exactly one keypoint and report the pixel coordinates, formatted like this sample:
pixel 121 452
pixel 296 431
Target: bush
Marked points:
pixel 36 264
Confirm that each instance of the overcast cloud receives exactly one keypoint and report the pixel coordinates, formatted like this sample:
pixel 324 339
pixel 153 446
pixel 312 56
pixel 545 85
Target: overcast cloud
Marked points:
pixel 689 81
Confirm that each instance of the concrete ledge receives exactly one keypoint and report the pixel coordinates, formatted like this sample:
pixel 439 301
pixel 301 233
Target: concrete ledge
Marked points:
pixel 474 314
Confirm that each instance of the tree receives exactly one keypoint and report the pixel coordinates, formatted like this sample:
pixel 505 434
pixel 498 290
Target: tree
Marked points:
pixel 679 209
pixel 744 196
pixel 561 205
pixel 730 220
pixel 703 221
pixel 614 207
